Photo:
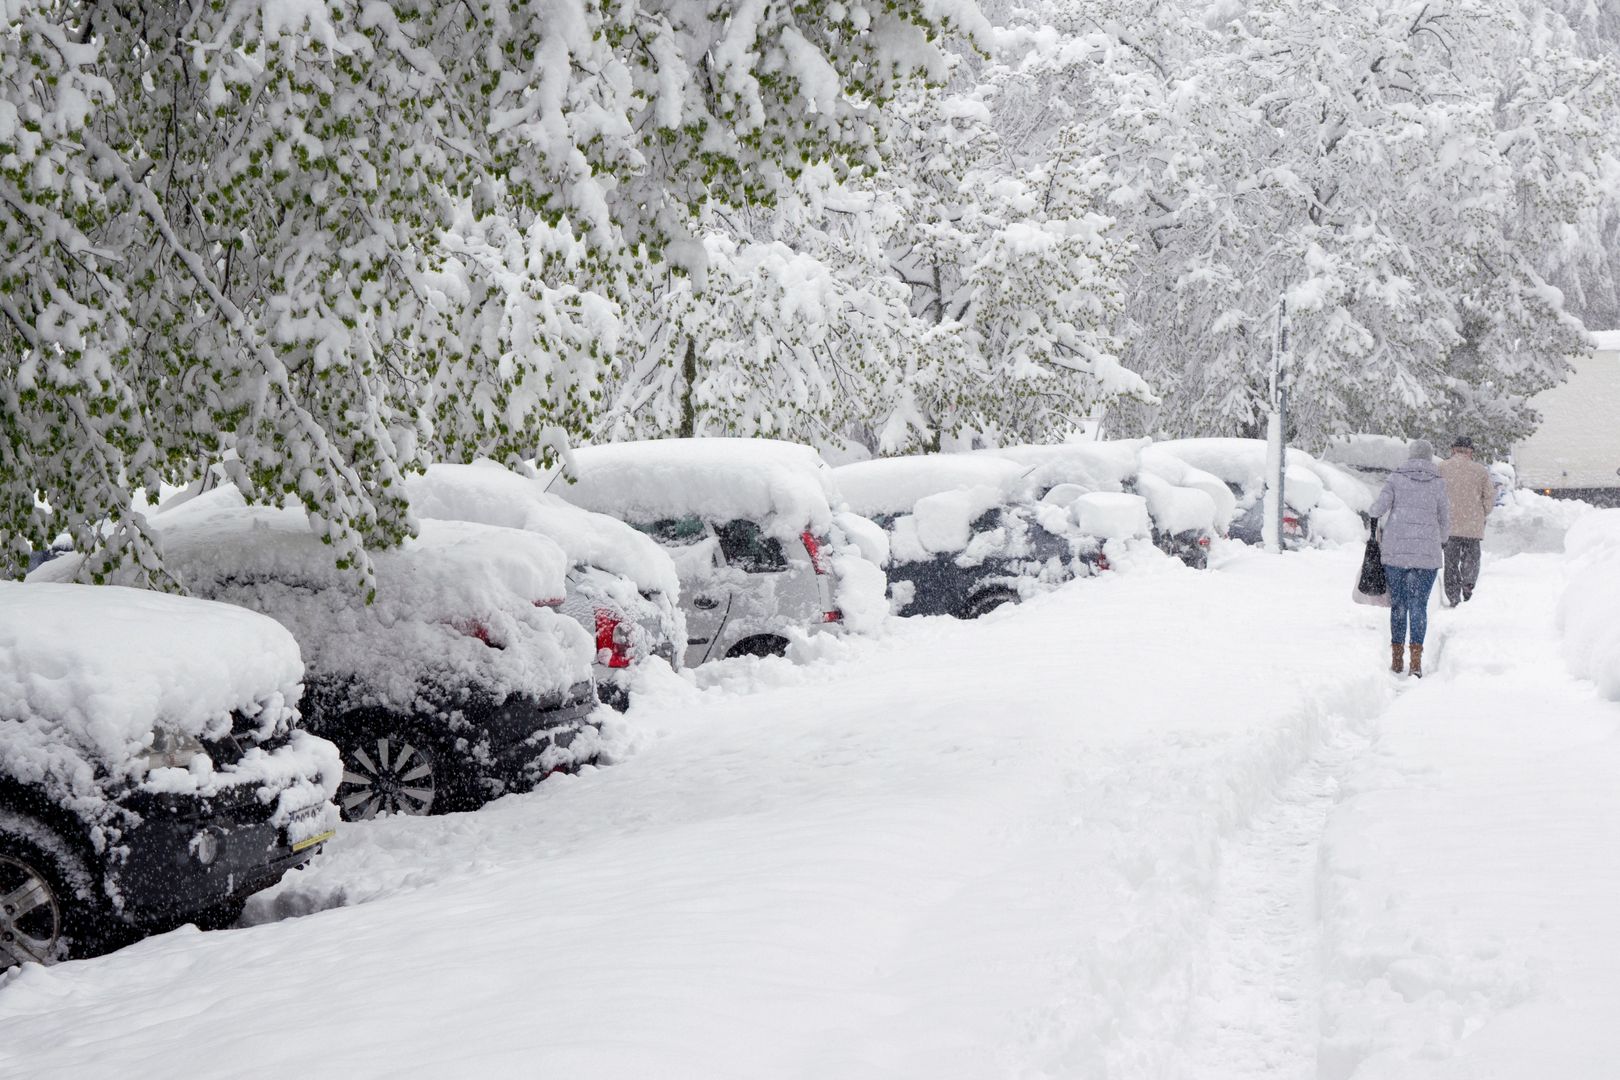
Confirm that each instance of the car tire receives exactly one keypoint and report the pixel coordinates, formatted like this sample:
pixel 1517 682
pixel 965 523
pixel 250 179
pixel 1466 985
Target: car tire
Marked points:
pixel 986 602
pixel 221 916
pixel 764 645
pixel 51 908
pixel 389 769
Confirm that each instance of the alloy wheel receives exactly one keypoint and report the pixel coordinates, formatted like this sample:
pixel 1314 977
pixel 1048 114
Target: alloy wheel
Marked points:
pixel 30 915
pixel 387 775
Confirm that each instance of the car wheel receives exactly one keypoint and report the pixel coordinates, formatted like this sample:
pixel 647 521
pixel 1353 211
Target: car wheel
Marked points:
pixel 765 645
pixel 221 916
pixel 44 918
pixel 387 771
pixel 987 602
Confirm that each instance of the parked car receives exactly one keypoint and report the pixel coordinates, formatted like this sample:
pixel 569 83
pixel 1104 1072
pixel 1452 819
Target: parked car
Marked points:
pixel 621 586
pixel 1323 503
pixel 152 769
pixel 751 529
pixel 965 535
pixel 1183 516
pixel 459 682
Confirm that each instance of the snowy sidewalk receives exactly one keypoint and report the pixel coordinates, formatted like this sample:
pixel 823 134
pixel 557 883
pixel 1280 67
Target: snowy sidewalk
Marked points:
pixel 1471 875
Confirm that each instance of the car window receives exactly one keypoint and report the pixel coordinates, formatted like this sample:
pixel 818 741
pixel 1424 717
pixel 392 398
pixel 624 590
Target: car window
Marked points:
pixel 988 520
pixel 676 531
pixel 750 550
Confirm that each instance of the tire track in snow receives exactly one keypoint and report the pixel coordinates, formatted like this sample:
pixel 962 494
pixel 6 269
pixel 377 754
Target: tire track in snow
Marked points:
pixel 1259 1016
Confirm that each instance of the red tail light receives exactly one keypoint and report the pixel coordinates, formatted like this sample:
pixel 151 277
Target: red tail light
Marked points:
pixel 552 602
pixel 1203 541
pixel 812 547
pixel 1102 561
pixel 832 616
pixel 613 638
pixel 475 628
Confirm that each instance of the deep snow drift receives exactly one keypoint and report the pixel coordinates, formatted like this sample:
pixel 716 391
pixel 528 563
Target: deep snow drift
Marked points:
pixel 1158 823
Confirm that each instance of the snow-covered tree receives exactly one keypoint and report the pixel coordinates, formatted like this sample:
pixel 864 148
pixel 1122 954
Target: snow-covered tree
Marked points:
pixel 320 243
pixel 1408 174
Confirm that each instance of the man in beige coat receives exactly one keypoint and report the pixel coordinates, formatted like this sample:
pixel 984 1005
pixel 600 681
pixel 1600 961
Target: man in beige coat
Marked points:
pixel 1468 485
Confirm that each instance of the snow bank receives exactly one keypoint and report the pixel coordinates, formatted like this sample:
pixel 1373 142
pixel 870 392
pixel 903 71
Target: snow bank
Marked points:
pixel 489 493
pixel 1112 515
pixel 895 485
pixel 438 597
pixel 1589 613
pixel 783 486
pixel 87 673
pixel 1529 521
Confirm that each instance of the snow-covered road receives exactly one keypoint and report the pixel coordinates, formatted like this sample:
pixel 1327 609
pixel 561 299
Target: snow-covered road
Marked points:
pixel 1160 824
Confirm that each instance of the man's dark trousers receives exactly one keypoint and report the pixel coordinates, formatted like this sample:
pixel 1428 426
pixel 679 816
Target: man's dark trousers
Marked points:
pixel 1462 568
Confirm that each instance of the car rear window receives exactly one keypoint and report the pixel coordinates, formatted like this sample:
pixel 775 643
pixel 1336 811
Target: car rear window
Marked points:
pixel 677 531
pixel 750 550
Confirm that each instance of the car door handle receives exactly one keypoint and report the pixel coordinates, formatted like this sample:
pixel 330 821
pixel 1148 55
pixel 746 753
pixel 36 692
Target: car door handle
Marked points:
pixel 705 602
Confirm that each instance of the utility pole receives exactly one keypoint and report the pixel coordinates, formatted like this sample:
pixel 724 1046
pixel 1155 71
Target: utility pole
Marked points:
pixel 1276 505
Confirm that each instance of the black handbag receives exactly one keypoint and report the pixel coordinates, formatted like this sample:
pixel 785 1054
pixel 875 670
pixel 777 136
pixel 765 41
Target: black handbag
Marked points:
pixel 1372 581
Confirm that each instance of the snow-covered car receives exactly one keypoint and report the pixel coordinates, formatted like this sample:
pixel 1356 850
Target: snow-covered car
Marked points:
pixel 152 769
pixel 1323 503
pixel 1183 517
pixel 621 586
pixel 965 536
pixel 751 528
pixel 457 683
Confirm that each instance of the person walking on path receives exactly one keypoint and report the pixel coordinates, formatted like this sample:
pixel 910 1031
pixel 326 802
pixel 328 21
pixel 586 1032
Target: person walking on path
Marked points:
pixel 1468 483
pixel 1417 523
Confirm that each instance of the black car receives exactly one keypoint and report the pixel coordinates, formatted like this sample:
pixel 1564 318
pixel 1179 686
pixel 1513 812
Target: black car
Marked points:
pixel 1009 553
pixel 457 682
pixel 152 769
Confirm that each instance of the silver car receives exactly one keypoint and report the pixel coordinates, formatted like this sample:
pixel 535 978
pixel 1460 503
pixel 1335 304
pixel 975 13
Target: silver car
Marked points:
pixel 751 529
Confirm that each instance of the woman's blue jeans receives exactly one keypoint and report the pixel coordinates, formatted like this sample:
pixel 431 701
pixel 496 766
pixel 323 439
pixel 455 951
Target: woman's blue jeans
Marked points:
pixel 1408 602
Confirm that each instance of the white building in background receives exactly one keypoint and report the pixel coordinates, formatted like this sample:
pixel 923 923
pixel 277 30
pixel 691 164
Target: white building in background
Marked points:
pixel 1576 450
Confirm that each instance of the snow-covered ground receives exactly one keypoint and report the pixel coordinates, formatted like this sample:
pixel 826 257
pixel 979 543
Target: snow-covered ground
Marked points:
pixel 1160 823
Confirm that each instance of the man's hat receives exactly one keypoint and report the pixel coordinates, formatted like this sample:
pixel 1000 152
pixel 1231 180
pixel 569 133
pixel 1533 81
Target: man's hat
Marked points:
pixel 1462 442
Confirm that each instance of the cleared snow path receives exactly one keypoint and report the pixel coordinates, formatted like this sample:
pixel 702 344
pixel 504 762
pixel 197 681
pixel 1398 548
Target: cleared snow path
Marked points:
pixel 1471 874
pixel 1261 1014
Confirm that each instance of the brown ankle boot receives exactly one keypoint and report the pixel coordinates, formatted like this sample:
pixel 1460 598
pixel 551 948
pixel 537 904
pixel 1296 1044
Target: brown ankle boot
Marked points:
pixel 1397 653
pixel 1417 661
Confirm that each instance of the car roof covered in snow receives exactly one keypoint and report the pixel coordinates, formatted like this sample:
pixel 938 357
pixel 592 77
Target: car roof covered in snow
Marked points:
pixel 895 485
pixel 488 492
pixel 1097 466
pixel 1243 462
pixel 104 665
pixel 784 486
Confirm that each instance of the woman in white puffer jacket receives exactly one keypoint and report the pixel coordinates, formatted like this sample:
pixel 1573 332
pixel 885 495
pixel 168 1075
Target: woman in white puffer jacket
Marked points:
pixel 1414 534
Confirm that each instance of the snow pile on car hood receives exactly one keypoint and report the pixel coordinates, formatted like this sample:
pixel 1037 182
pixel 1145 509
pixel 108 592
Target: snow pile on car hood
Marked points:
pixel 1156 462
pixel 785 487
pixel 444 601
pixel 1586 613
pixel 896 485
pixel 106 665
pixel 88 672
pixel 487 492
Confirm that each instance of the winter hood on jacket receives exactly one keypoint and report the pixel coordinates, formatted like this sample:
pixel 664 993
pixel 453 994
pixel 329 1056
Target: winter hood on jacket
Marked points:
pixel 1422 470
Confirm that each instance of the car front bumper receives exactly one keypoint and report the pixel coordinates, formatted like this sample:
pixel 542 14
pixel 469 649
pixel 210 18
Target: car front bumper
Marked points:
pixel 528 739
